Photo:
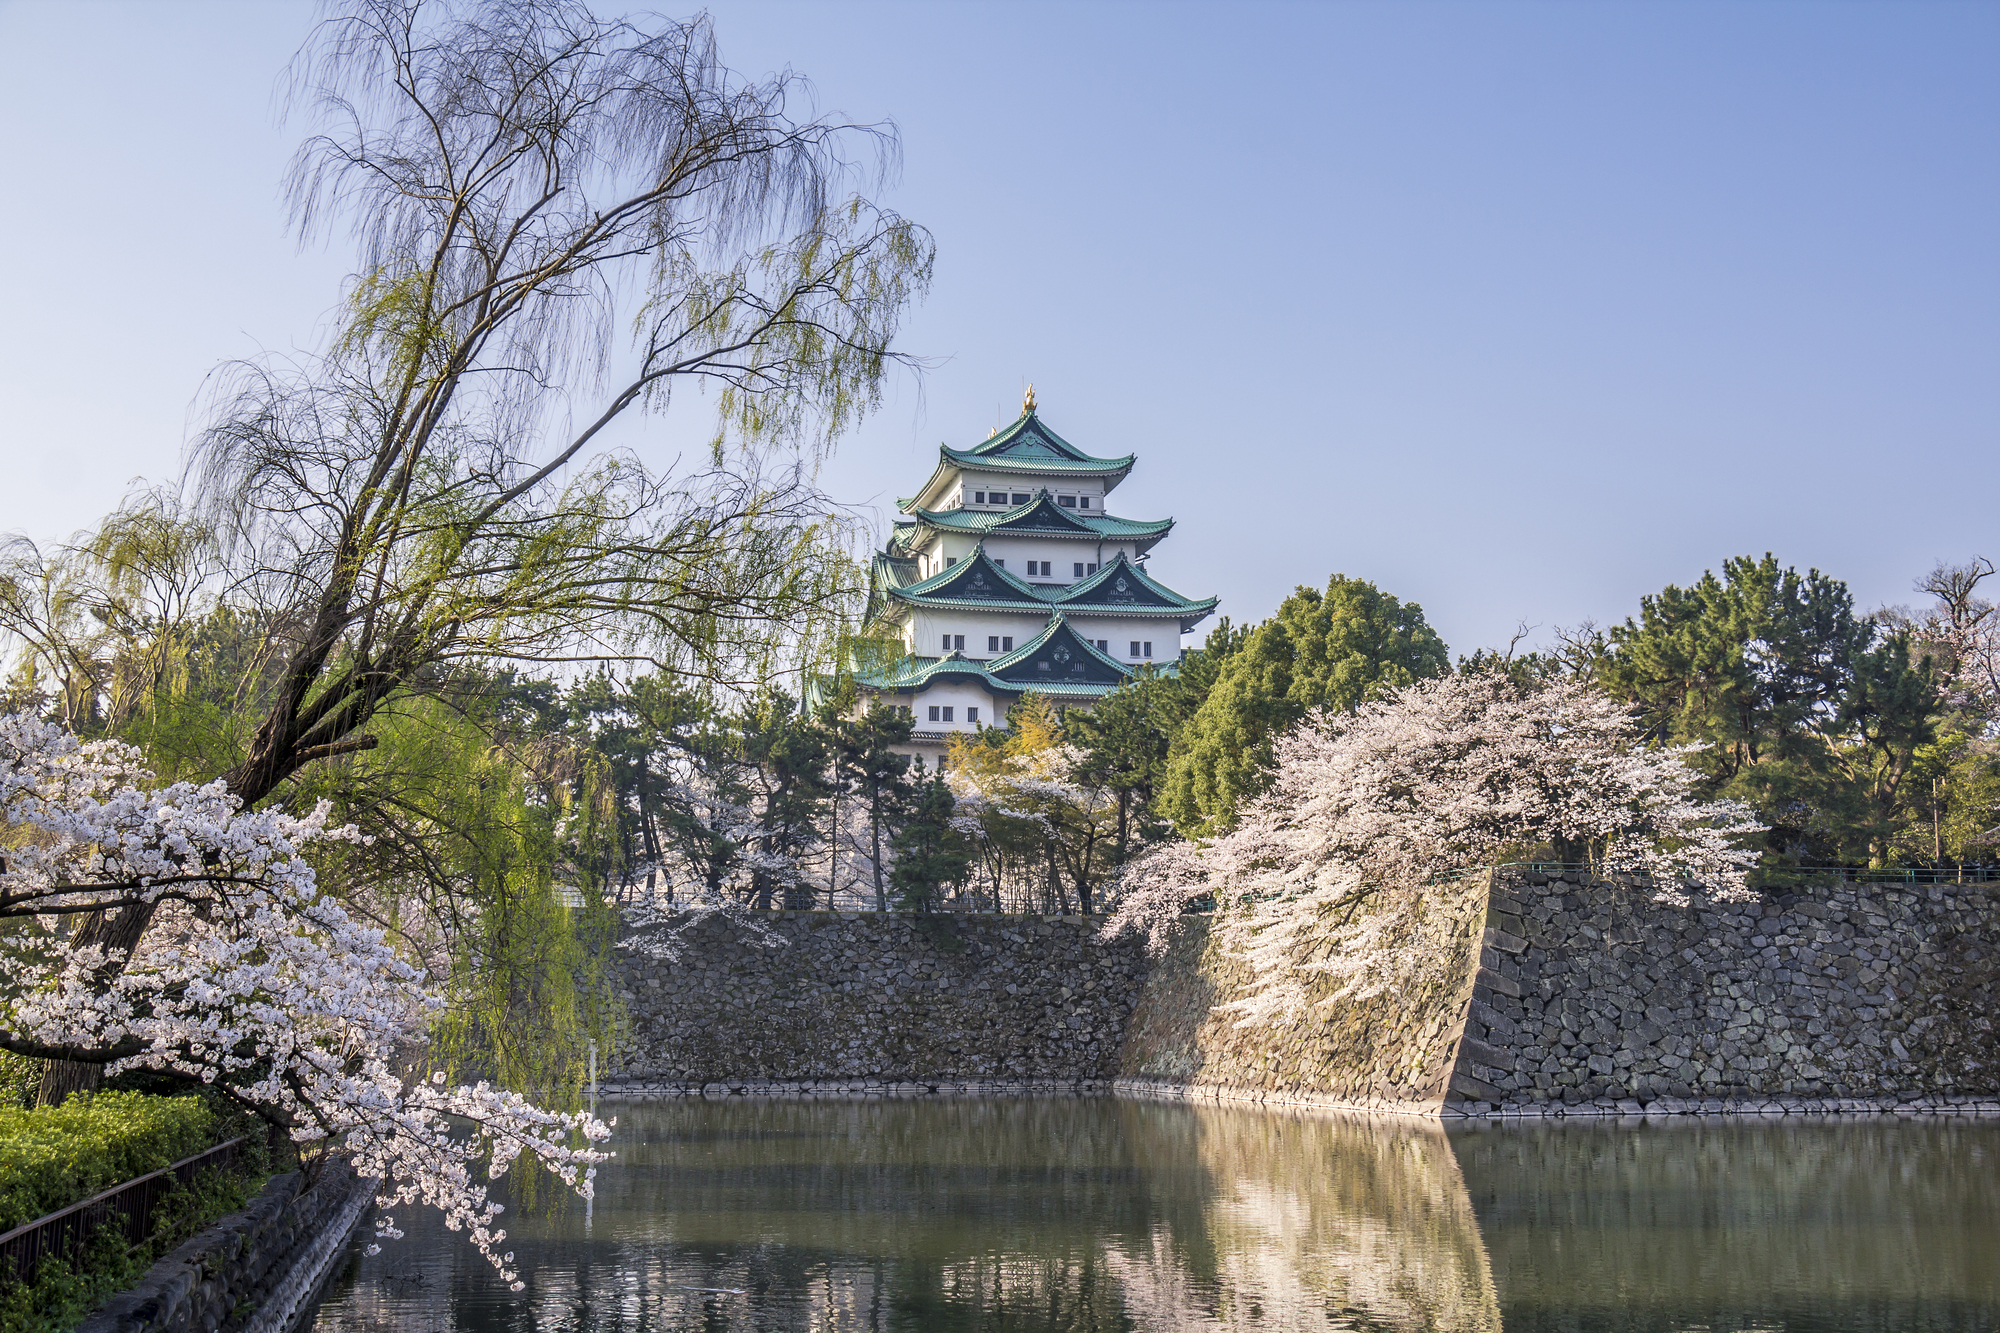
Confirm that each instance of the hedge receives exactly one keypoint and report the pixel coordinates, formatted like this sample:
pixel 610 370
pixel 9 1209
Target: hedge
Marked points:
pixel 54 1156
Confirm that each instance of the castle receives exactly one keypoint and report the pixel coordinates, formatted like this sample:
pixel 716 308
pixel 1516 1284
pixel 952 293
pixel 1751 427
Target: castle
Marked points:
pixel 1006 573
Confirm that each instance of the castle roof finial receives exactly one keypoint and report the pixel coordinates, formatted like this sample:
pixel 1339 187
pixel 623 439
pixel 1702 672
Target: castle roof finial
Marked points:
pixel 1028 401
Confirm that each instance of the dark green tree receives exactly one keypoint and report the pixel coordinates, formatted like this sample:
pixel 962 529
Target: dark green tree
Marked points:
pixel 693 790
pixel 867 767
pixel 1321 650
pixel 930 853
pixel 1126 738
pixel 790 756
pixel 1810 714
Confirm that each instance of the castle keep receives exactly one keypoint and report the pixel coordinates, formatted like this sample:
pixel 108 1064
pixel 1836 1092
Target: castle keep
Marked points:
pixel 1006 573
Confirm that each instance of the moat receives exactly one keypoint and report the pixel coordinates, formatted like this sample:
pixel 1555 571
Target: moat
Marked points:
pixel 1100 1214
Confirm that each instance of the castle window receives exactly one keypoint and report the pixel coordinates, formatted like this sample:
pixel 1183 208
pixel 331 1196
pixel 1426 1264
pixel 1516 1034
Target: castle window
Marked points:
pixel 1083 501
pixel 1135 649
pixel 1090 568
pixel 979 497
pixel 1104 645
pixel 934 712
pixel 972 715
pixel 947 712
pixel 950 560
pixel 1079 569
pixel 1066 501
pixel 993 643
pixel 1001 563
pixel 1006 643
pixel 1020 498
pixel 954 641
pixel 1149 650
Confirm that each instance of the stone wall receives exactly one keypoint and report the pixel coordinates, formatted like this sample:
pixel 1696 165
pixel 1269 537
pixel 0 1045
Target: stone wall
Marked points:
pixel 1595 992
pixel 1395 1050
pixel 1534 993
pixel 253 1271
pixel 861 997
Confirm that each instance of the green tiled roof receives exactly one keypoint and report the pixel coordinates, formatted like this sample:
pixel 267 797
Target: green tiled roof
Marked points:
pixel 1041 516
pixel 1030 446
pixel 1026 446
pixel 1058 657
pixel 975 580
pixel 1122 585
pixel 977 583
pixel 887 573
pixel 1075 669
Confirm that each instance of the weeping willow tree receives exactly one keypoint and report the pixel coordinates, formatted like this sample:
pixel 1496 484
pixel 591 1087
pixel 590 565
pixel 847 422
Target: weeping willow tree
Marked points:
pixel 478 826
pixel 560 222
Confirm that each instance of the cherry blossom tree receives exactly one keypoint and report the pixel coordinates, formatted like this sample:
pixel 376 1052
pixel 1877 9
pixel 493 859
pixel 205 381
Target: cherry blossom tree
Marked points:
pixel 1329 873
pixel 1025 799
pixel 252 981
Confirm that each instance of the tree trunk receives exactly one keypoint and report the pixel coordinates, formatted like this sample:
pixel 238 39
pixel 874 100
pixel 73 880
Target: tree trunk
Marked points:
pixel 875 847
pixel 61 1079
pixel 118 935
pixel 1124 810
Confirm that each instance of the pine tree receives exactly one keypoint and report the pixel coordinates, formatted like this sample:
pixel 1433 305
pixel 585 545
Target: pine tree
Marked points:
pixel 866 765
pixel 791 755
pixel 1808 713
pixel 1332 650
pixel 930 853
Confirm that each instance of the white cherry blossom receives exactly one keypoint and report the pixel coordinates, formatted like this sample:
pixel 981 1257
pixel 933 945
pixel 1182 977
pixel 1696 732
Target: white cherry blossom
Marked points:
pixel 247 978
pixel 1327 873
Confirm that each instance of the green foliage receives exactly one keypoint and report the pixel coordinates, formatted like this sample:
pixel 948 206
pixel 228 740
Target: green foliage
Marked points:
pixel 486 806
pixel 1811 715
pixel 1321 650
pixel 20 1076
pixel 1125 740
pixel 790 765
pixel 868 768
pixel 55 1156
pixel 930 853
pixel 52 1156
pixel 1954 799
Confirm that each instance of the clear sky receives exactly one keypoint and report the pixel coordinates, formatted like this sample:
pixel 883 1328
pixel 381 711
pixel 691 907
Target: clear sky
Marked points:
pixel 1520 310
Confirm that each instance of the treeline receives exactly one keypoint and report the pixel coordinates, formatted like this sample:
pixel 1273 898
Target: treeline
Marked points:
pixel 1858 739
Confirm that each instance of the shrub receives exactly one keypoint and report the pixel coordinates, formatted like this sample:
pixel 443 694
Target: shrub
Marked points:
pixel 19 1078
pixel 53 1156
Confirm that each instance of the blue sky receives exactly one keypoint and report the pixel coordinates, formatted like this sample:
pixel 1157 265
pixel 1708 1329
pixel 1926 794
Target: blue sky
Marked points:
pixel 1520 310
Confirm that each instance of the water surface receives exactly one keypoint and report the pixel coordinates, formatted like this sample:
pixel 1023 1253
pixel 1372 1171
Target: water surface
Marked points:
pixel 1060 1214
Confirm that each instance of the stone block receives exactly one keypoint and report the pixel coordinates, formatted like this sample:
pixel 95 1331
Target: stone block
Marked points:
pixel 1479 1052
pixel 1465 1087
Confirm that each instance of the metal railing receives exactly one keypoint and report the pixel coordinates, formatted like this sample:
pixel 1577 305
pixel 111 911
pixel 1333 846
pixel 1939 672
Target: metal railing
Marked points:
pixel 1979 874
pixel 132 1204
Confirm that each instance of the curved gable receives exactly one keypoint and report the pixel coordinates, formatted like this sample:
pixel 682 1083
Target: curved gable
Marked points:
pixel 1058 656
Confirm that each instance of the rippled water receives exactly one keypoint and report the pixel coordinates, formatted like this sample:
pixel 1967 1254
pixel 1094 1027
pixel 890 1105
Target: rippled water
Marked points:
pixel 1101 1215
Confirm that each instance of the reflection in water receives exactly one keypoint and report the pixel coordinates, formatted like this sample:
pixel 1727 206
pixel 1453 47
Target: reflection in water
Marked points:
pixel 1304 1221
pixel 1877 1224
pixel 1107 1215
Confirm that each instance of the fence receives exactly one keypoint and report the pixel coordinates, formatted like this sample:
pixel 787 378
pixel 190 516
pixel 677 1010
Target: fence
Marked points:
pixel 1979 874
pixel 68 1230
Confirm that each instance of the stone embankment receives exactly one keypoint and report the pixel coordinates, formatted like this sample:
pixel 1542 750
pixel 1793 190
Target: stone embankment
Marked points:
pixel 1529 994
pixel 253 1271
pixel 832 1000
pixel 1834 997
